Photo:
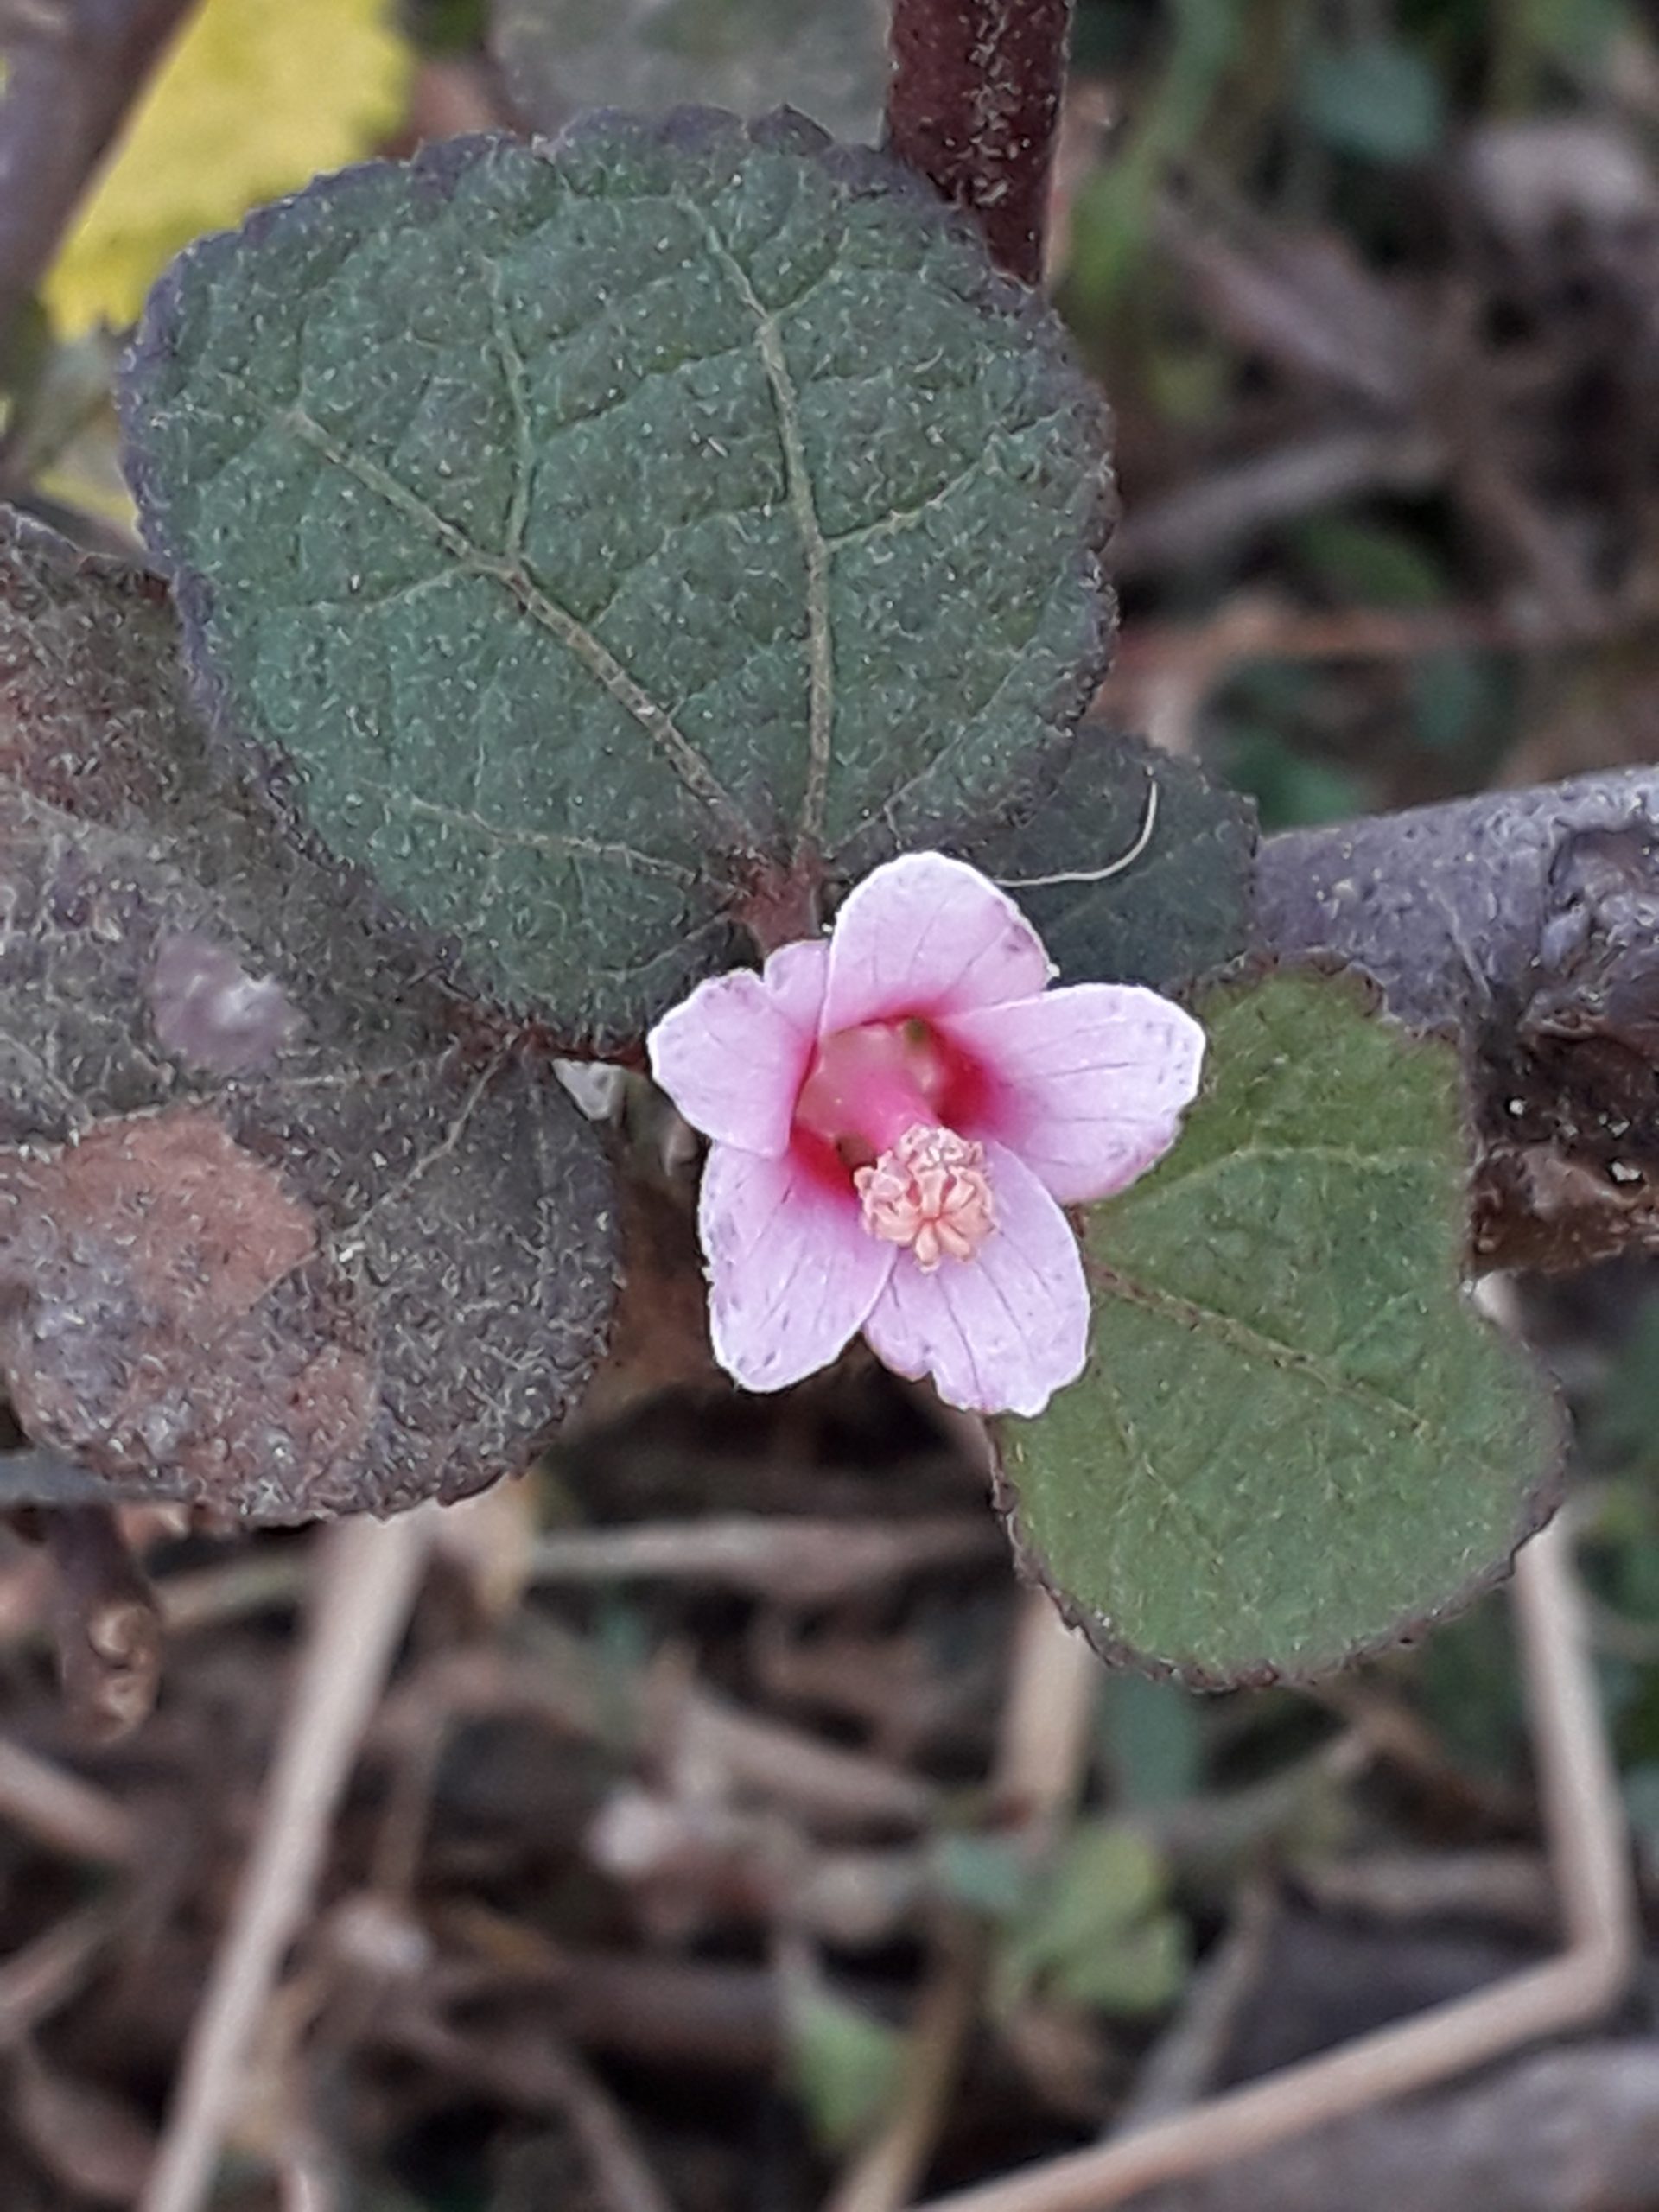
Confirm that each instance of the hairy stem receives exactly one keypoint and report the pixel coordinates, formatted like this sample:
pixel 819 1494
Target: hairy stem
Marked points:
pixel 1528 922
pixel 973 105
pixel 73 68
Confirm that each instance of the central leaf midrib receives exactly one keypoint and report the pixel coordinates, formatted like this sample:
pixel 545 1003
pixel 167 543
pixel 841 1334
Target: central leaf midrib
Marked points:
pixel 1243 1336
pixel 692 771
pixel 802 507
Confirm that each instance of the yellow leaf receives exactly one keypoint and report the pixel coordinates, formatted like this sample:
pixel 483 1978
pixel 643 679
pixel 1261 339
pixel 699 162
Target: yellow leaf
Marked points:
pixel 257 98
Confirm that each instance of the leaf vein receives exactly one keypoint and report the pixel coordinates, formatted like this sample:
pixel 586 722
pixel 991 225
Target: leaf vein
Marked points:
pixel 516 375
pixel 545 841
pixel 1173 1177
pixel 693 771
pixel 786 406
pixel 1245 1337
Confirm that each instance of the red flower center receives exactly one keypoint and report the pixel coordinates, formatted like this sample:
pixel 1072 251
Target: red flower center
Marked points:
pixel 880 1114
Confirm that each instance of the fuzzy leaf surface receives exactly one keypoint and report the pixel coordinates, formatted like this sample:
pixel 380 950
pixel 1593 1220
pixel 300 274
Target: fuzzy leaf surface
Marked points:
pixel 1295 1437
pixel 827 58
pixel 283 1227
pixel 603 526
pixel 1168 914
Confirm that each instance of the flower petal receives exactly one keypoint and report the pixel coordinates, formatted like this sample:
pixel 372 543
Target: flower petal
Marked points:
pixel 926 935
pixel 1087 1083
pixel 1000 1332
pixel 732 1057
pixel 795 976
pixel 793 1270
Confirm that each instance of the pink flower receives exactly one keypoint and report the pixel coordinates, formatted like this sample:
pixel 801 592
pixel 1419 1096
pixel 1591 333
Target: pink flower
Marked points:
pixel 896 1114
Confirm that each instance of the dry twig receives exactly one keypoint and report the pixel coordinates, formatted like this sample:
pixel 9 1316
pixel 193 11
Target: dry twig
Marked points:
pixel 60 1810
pixel 1585 1821
pixel 46 1973
pixel 792 1561
pixel 1041 1755
pixel 368 1578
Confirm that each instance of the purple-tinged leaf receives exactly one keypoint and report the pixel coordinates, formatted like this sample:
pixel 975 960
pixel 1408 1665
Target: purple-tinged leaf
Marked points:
pixel 286 1224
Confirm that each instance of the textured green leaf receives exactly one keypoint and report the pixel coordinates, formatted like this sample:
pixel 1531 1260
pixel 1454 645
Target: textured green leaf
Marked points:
pixel 827 58
pixel 1295 1436
pixel 602 528
pixel 1134 865
pixel 284 1228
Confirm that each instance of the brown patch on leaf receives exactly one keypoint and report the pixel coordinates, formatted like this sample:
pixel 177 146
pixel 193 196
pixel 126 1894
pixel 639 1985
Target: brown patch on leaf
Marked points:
pixel 290 1224
pixel 138 1326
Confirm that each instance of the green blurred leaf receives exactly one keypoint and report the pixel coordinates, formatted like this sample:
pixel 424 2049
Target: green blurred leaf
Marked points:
pixel 1111 214
pixel 827 58
pixel 1152 1740
pixel 447 26
pixel 1641 1801
pixel 595 526
pixel 1141 1972
pixel 1175 911
pixel 1468 1685
pixel 986 1874
pixel 1290 788
pixel 1454 696
pixel 844 2062
pixel 1374 97
pixel 1295 1436
pixel 1574 31
pixel 1370 562
pixel 1623 1430
pixel 1098 1934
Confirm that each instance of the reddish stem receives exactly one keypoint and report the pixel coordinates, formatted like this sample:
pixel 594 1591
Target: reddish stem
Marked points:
pixel 779 907
pixel 975 104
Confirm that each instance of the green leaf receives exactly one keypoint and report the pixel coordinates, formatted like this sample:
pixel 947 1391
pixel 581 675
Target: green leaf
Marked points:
pixel 1140 1970
pixel 1295 1436
pixel 1099 1934
pixel 1376 97
pixel 827 58
pixel 1370 560
pixel 1289 787
pixel 605 530
pixel 989 1874
pixel 846 2064
pixel 1153 861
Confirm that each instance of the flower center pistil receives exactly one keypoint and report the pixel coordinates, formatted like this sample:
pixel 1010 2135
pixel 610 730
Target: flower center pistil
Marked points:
pixel 929 1193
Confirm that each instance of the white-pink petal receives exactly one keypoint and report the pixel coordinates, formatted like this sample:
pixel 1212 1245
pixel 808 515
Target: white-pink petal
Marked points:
pixel 793 1271
pixel 928 936
pixel 732 1057
pixel 1087 1083
pixel 796 976
pixel 1002 1331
